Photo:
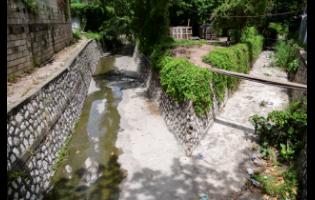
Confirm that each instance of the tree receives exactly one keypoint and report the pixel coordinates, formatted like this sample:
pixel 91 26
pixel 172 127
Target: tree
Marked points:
pixel 223 14
pixel 232 15
pixel 150 23
pixel 198 11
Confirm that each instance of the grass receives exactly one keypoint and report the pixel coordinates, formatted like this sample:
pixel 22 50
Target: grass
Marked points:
pixel 279 182
pixel 90 35
pixel 62 153
pixel 13 175
pixel 93 35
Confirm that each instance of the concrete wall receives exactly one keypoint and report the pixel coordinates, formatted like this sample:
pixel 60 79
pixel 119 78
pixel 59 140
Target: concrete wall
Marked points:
pixel 38 127
pixel 32 39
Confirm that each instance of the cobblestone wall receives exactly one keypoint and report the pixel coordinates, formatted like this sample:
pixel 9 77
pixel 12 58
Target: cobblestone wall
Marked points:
pixel 33 38
pixel 181 119
pixel 38 127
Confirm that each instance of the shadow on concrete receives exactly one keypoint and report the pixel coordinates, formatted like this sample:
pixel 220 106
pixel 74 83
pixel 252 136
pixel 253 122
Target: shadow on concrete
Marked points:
pixel 187 181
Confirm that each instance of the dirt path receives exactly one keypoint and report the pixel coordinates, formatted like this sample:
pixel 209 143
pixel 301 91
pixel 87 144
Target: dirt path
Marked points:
pixel 156 164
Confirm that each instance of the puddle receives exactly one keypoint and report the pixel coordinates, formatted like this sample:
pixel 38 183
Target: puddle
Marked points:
pixel 90 169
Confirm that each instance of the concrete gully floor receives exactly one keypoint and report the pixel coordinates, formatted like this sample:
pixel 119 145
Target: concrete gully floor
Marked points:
pixel 156 164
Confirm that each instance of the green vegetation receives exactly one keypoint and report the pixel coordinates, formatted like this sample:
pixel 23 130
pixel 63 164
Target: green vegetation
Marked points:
pixel 281 183
pixel 31 5
pixel 287 55
pixel 284 130
pixel 13 175
pixel 236 58
pixel 281 30
pixel 76 35
pixel 62 153
pixel 91 15
pixel 184 81
pixel 221 19
pixel 151 24
pixel 164 49
pixel 92 35
pixel 282 138
pixel 110 19
pixel 198 11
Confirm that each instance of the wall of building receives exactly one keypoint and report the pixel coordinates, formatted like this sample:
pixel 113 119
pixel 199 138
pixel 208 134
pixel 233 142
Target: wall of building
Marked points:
pixel 33 38
pixel 38 127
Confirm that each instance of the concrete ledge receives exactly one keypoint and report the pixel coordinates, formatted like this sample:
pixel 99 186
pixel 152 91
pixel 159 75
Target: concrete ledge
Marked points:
pixel 234 124
pixel 37 88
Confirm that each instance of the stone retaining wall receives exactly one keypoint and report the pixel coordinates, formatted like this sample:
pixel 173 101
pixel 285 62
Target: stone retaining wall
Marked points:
pixel 181 119
pixel 38 127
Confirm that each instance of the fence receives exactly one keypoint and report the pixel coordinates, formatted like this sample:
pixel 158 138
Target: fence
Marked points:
pixel 181 32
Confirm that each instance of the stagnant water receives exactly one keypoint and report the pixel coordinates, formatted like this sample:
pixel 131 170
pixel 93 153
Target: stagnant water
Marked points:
pixel 90 169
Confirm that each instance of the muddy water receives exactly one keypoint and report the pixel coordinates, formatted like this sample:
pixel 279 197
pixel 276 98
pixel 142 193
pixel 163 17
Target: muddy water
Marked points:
pixel 90 169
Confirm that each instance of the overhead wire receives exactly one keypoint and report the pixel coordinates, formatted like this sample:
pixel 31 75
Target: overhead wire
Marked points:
pixel 255 16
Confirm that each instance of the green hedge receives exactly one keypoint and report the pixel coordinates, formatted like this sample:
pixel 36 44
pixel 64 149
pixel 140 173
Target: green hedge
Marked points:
pixel 236 58
pixel 182 80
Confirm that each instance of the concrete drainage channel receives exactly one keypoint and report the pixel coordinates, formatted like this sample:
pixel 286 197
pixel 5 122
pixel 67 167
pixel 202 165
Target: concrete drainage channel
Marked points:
pixel 79 107
pixel 73 120
pixel 71 108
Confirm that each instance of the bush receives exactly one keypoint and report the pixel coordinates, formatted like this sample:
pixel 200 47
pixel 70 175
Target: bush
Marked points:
pixel 236 58
pixel 286 55
pixel 184 81
pixel 281 29
pixel 284 130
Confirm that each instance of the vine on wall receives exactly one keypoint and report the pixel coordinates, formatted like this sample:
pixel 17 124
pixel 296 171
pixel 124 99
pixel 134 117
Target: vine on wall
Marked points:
pixel 31 6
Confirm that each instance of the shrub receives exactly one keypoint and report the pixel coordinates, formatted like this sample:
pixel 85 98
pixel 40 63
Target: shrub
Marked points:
pixel 281 29
pixel 286 55
pixel 254 41
pixel 235 58
pixel 184 81
pixel 284 130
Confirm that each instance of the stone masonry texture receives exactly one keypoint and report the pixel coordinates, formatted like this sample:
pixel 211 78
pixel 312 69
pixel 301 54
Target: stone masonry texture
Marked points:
pixel 38 127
